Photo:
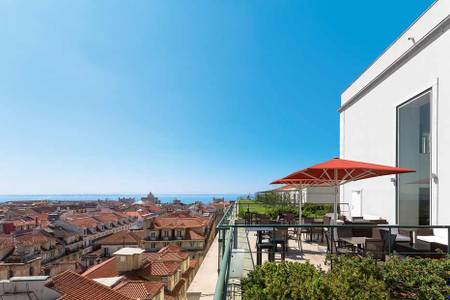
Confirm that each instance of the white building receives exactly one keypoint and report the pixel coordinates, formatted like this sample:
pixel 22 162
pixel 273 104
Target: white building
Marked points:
pixel 397 113
pixel 29 287
pixel 312 194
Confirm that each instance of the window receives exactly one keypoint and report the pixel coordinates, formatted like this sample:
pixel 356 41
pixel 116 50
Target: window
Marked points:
pixel 153 234
pixel 152 245
pixel 413 151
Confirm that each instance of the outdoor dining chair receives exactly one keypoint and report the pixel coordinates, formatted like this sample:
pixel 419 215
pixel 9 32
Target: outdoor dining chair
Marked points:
pixel 375 246
pixel 333 248
pixel 280 237
pixel 344 232
pixel 306 230
pixel 388 240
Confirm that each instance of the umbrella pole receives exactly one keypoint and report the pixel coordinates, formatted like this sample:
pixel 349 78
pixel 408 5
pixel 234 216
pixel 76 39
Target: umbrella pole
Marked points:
pixel 300 195
pixel 335 195
pixel 300 245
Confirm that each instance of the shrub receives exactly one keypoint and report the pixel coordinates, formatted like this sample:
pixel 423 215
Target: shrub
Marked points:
pixel 417 278
pixel 309 210
pixel 282 281
pixel 313 210
pixel 277 210
pixel 354 278
pixel 349 279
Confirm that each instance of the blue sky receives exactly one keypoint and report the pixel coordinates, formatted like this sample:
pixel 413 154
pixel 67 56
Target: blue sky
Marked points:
pixel 178 96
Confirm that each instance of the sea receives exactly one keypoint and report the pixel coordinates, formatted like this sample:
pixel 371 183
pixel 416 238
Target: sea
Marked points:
pixel 164 198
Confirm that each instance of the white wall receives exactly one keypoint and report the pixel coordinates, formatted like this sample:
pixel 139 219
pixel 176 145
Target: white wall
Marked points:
pixel 319 195
pixel 368 126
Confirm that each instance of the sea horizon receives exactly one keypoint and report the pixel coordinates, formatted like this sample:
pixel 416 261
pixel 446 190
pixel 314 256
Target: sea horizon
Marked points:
pixel 164 198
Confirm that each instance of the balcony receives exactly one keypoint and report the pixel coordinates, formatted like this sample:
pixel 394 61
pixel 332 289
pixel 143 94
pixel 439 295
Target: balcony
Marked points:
pixel 247 239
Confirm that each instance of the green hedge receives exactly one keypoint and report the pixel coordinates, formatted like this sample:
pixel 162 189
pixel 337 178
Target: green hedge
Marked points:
pixel 350 278
pixel 309 210
pixel 313 210
pixel 414 278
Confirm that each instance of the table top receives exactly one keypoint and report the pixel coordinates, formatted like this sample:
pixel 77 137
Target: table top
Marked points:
pixel 418 246
pixel 355 240
pixel 251 229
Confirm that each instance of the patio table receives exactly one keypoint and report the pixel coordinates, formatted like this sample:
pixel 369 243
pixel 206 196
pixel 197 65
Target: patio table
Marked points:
pixel 357 241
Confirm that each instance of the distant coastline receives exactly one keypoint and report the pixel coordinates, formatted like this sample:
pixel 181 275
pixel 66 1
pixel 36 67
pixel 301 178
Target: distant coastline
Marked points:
pixel 164 198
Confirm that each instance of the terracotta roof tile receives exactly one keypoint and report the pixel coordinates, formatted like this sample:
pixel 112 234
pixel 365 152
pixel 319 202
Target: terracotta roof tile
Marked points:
pixel 133 214
pixel 139 289
pixel 30 239
pixel 21 222
pixel 169 253
pixel 173 249
pixel 160 268
pixel 193 235
pixel 84 222
pixel 121 237
pixel 106 217
pixel 108 268
pixel 178 222
pixel 6 241
pixel 76 287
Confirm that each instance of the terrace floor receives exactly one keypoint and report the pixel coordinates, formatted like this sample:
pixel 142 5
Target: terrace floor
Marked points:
pixel 243 258
pixel 314 251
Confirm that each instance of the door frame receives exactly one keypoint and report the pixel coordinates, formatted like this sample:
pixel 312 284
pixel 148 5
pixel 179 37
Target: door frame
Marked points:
pixel 433 91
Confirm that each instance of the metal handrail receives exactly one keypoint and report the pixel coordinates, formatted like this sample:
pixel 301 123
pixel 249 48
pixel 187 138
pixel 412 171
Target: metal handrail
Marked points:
pixel 227 226
pixel 221 286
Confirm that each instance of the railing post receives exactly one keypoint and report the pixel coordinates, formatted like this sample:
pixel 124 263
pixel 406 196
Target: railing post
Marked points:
pixel 230 254
pixel 331 239
pixel 389 241
pixel 224 234
pixel 448 240
pixel 219 250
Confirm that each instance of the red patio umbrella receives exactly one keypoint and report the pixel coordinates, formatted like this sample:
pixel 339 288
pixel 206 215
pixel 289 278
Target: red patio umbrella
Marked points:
pixel 336 172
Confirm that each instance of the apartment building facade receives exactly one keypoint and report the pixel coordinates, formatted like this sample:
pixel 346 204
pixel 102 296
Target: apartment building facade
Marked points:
pixel 395 113
pixel 188 233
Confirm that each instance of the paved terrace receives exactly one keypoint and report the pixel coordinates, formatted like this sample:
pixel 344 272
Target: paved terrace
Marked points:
pixel 313 252
pixel 243 258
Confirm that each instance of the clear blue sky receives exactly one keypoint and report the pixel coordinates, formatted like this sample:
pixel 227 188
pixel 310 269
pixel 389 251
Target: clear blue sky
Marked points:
pixel 178 96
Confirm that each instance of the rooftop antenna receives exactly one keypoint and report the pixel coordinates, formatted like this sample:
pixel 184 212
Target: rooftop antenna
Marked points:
pixel 412 39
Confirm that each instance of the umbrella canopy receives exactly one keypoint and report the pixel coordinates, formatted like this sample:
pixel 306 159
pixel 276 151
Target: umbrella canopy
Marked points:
pixel 289 183
pixel 339 171
pixel 336 172
pixel 286 188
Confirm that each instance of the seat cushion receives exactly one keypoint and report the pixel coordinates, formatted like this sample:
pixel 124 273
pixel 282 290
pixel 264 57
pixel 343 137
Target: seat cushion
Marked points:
pixel 402 238
pixel 433 239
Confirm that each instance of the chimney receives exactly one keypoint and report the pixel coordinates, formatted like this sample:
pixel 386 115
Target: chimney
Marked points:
pixel 129 259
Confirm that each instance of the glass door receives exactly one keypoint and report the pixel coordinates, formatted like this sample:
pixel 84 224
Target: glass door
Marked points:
pixel 413 152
